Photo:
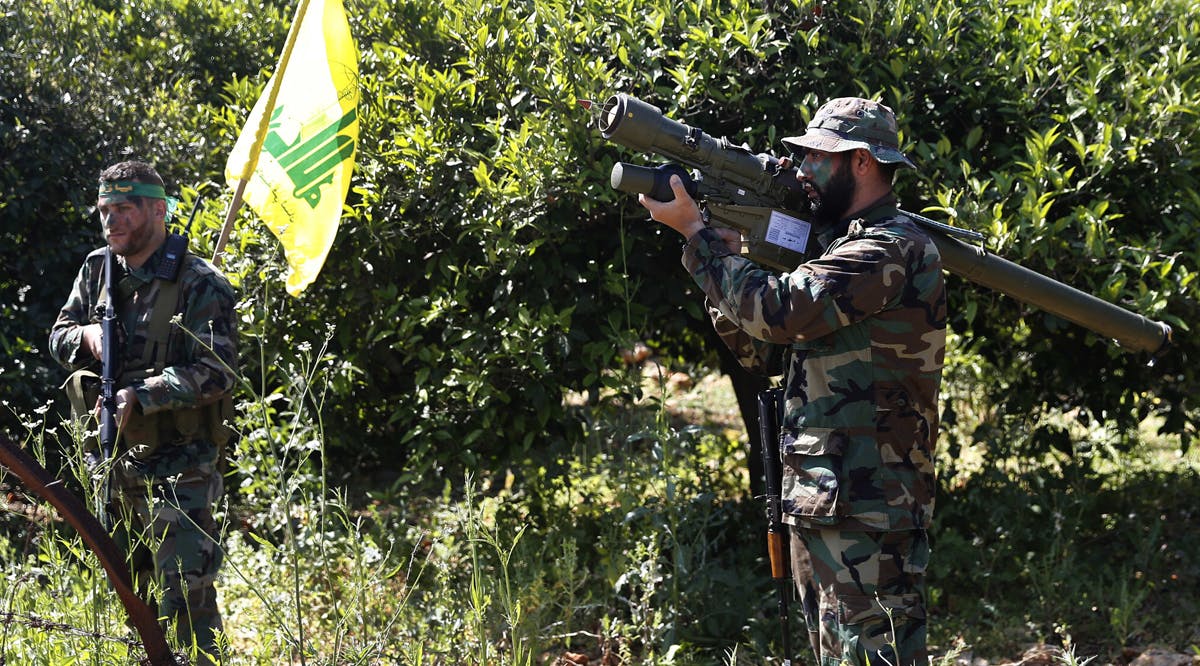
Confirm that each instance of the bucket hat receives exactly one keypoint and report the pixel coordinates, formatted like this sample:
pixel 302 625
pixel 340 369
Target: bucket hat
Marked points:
pixel 847 123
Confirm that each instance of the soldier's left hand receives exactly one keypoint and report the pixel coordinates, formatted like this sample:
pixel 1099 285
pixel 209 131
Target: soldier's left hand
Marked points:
pixel 127 401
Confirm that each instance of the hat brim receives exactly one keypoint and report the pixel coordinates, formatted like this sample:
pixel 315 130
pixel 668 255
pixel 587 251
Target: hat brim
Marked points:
pixel 831 142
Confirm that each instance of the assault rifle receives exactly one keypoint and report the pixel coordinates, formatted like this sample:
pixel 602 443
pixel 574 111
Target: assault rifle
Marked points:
pixel 770 404
pixel 754 194
pixel 108 378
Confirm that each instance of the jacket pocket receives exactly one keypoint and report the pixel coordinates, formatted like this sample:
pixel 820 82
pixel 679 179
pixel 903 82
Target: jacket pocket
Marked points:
pixel 812 470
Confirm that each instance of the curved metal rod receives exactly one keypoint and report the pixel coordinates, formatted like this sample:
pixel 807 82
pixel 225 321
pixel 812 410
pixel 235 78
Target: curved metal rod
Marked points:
pixel 72 509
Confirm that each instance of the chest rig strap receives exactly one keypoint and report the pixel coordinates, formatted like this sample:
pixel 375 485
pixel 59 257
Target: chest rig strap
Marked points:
pixel 166 305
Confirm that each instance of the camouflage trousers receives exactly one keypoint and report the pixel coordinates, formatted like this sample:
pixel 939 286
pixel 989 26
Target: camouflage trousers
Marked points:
pixel 164 507
pixel 863 595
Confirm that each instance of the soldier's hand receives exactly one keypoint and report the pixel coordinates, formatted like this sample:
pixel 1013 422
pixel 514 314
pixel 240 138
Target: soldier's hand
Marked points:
pixel 93 340
pixel 681 214
pixel 127 401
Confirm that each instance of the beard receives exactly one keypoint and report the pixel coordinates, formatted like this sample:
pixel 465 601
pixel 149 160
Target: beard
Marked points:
pixel 833 200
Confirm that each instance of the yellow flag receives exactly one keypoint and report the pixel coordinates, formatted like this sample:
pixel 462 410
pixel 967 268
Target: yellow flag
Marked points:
pixel 297 164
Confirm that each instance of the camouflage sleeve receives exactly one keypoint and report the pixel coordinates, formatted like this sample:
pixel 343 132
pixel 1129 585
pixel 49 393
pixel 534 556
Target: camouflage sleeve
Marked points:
pixel 756 356
pixel 66 336
pixel 858 278
pixel 207 371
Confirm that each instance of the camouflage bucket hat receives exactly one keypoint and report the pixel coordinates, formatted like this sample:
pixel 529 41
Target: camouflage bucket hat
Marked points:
pixel 847 123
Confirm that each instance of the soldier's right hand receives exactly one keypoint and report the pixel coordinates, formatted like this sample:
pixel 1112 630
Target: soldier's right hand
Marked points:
pixel 681 213
pixel 93 340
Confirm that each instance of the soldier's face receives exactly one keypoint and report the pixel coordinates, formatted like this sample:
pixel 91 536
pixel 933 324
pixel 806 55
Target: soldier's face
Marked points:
pixel 829 182
pixel 129 228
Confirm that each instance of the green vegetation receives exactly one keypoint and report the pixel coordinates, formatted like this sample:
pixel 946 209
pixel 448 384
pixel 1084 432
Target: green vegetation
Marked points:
pixel 443 458
pixel 639 545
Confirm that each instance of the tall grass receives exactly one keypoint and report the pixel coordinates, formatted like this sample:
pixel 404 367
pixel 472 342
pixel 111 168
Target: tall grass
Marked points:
pixel 638 546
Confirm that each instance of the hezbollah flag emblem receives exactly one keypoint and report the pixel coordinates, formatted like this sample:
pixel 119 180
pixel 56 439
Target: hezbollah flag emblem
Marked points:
pixel 297 164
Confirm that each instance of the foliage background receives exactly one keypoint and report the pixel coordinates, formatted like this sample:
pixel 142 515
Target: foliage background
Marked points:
pixel 492 268
pixel 485 274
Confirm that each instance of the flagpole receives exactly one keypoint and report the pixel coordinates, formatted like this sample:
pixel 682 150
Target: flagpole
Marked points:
pixel 230 213
pixel 261 133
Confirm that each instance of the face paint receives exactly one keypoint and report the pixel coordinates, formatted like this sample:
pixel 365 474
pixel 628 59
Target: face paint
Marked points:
pixel 817 167
pixel 132 217
pixel 830 184
pixel 128 227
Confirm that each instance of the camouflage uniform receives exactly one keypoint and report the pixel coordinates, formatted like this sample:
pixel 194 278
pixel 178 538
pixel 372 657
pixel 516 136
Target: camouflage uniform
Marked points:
pixel 860 333
pixel 167 476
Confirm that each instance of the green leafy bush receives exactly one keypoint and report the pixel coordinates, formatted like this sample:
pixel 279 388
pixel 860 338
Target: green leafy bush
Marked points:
pixel 484 267
pixel 484 270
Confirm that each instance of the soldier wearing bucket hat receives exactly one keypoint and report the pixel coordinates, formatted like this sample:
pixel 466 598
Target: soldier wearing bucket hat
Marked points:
pixel 859 335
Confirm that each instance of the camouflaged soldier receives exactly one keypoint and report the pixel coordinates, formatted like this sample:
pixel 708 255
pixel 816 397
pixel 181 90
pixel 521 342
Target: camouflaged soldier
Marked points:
pixel 859 333
pixel 173 397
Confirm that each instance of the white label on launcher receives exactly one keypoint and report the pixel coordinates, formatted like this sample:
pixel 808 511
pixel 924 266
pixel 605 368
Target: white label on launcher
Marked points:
pixel 788 232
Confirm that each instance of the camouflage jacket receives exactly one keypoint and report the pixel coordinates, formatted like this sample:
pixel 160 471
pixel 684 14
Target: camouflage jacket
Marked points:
pixel 198 369
pixel 862 333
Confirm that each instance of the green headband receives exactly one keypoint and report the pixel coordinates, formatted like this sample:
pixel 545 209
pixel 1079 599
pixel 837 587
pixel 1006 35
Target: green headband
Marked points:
pixel 121 190
pixel 128 188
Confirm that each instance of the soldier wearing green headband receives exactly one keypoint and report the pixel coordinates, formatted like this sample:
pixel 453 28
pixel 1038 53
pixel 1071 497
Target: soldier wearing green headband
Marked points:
pixel 174 402
pixel 859 334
